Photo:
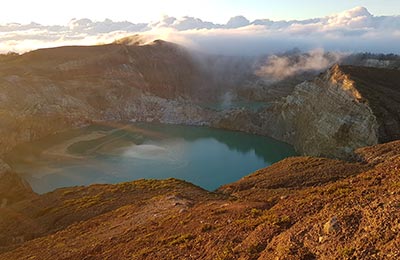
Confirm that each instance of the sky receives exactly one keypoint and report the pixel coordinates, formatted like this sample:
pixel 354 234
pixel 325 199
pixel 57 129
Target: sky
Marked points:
pixel 51 12
pixel 244 27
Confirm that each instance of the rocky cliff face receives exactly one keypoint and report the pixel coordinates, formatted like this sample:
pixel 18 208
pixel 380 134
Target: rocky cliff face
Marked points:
pixel 48 90
pixel 339 111
pixel 328 116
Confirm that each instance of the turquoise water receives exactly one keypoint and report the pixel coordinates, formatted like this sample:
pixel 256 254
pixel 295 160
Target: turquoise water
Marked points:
pixel 117 153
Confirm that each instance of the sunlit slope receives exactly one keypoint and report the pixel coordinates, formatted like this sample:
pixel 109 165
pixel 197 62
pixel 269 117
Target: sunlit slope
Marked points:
pixel 299 208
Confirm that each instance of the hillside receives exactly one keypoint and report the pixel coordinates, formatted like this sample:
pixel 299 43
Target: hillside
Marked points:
pixel 112 64
pixel 48 90
pixel 340 110
pixel 45 91
pixel 299 208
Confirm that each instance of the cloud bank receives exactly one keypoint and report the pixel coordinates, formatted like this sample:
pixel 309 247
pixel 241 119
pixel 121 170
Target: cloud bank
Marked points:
pixel 354 30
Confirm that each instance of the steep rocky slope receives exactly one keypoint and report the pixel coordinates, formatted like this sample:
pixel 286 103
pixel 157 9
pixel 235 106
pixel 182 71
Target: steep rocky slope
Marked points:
pixel 47 90
pixel 111 65
pixel 299 208
pixel 339 111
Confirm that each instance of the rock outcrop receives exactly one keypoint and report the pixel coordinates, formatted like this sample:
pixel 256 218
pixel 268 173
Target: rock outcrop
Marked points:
pixel 341 110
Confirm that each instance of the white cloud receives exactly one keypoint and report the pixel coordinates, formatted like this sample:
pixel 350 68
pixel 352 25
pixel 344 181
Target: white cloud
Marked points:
pixel 351 30
pixel 277 67
pixel 237 22
pixel 190 23
pixel 355 18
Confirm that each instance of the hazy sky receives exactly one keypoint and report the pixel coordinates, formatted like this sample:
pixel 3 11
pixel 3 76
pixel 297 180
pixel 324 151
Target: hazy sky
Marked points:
pixel 61 11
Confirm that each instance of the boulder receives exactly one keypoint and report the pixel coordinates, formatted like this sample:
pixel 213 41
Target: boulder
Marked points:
pixel 332 226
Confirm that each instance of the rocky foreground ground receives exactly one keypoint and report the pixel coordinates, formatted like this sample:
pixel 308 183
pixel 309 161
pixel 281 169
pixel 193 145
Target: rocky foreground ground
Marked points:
pixel 299 208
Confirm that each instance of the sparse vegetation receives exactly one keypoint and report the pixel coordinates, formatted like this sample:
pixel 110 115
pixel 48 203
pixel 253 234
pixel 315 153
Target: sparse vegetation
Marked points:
pixel 347 252
pixel 174 219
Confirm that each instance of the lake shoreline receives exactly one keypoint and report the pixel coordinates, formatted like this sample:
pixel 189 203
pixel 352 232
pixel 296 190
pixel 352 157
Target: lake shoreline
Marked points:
pixel 147 146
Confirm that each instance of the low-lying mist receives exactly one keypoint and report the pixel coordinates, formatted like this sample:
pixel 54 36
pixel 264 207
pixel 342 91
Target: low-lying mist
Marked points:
pixel 279 67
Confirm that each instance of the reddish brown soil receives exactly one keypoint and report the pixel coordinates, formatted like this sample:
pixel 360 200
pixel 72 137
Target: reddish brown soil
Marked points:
pixel 276 213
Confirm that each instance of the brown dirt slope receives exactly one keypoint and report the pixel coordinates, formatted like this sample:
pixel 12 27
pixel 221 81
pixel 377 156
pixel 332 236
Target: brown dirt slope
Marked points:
pixel 113 64
pixel 300 208
pixel 48 90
